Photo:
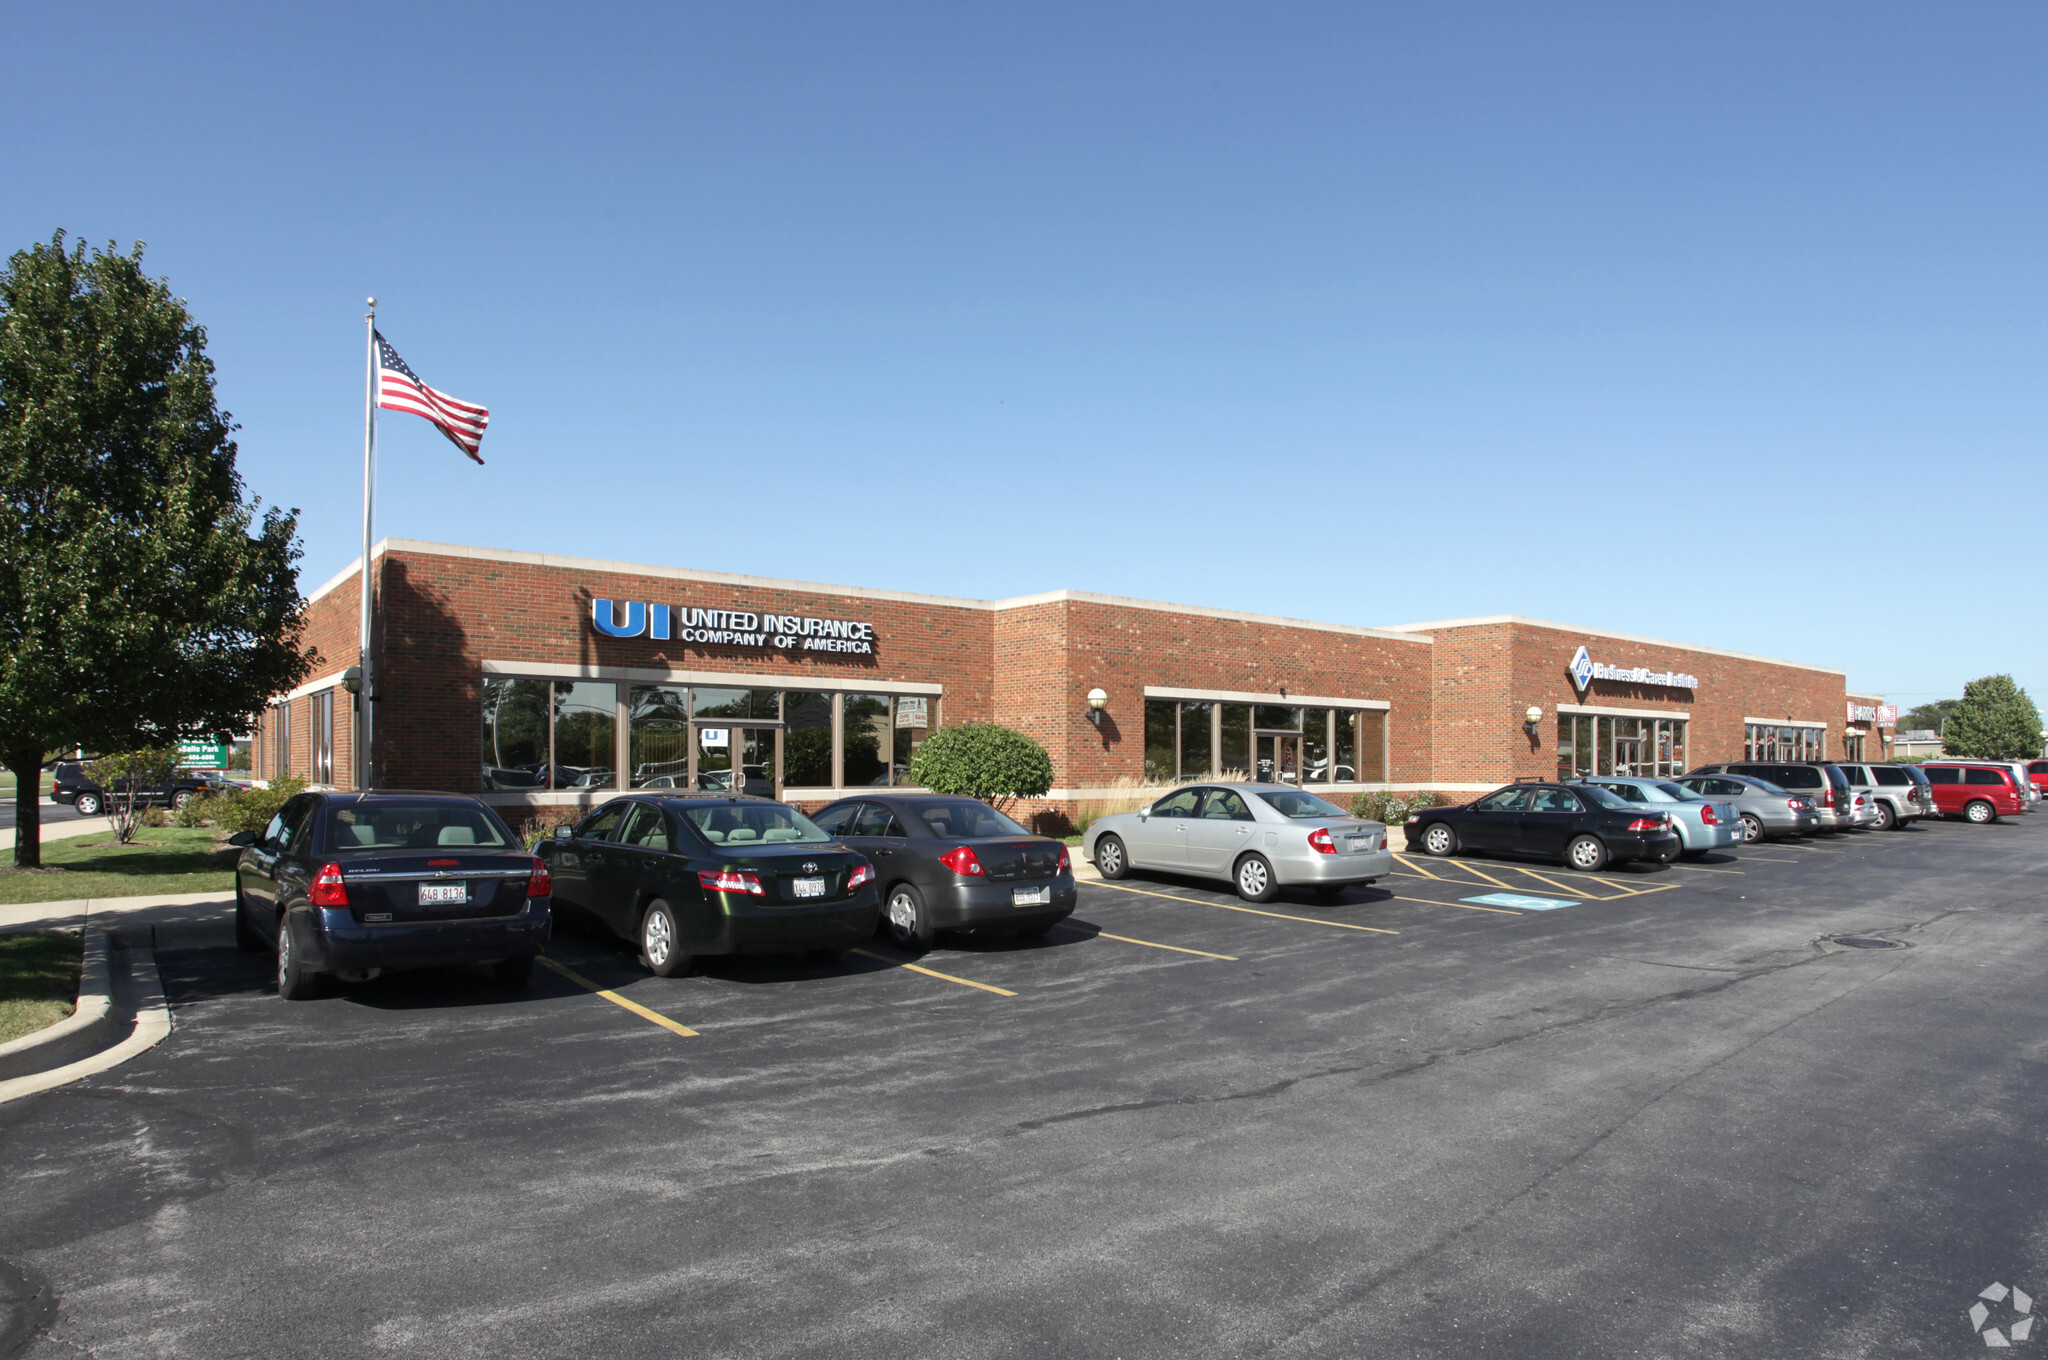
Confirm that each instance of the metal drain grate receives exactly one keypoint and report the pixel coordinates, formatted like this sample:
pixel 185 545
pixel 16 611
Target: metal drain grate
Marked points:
pixel 1866 942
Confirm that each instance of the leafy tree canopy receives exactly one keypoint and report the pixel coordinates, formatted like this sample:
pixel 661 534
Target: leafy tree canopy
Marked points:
pixel 1928 717
pixel 1994 720
pixel 982 760
pixel 146 599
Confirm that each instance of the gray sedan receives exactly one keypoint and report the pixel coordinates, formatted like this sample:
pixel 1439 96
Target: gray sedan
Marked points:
pixel 1768 812
pixel 1260 837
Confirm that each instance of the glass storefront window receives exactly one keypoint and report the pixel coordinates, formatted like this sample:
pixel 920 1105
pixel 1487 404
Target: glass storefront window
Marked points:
pixel 658 735
pixel 586 719
pixel 1345 753
pixel 1237 740
pixel 1772 742
pixel 1588 745
pixel 1315 745
pixel 736 704
pixel 1162 740
pixel 1277 718
pixel 914 719
pixel 807 740
pixel 865 736
pixel 1194 740
pixel 515 733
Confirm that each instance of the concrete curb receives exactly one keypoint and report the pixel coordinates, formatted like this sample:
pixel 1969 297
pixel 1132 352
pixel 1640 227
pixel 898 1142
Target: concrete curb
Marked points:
pixel 42 1061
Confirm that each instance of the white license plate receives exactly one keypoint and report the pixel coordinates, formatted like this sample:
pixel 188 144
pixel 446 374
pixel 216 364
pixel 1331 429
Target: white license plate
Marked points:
pixel 1031 897
pixel 1361 842
pixel 443 892
pixel 807 887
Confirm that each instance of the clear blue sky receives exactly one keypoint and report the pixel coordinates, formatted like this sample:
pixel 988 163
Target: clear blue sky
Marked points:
pixel 1645 317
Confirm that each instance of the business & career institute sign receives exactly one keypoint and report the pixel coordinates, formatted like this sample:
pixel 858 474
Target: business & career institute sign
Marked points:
pixel 731 627
pixel 1584 670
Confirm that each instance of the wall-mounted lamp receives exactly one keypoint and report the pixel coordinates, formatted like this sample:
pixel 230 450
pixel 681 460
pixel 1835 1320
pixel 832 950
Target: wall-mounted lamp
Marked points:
pixel 1531 718
pixel 1097 701
pixel 352 679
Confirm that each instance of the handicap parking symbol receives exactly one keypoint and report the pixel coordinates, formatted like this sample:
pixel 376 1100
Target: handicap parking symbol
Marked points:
pixel 1521 903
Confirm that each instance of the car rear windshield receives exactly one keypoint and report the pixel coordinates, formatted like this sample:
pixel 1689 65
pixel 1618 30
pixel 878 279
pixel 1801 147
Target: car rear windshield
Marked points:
pixel 959 819
pixel 1603 797
pixel 754 824
pixel 1291 803
pixel 361 828
pixel 1681 794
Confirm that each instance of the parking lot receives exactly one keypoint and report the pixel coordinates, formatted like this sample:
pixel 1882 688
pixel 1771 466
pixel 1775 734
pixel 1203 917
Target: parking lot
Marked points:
pixel 1649 1111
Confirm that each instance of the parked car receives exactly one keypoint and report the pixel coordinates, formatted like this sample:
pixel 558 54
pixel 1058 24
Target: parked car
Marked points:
pixel 350 884
pixel 1978 792
pixel 73 783
pixel 954 864
pixel 687 875
pixel 1820 781
pixel 1584 826
pixel 1258 837
pixel 1702 823
pixel 1766 811
pixel 1895 794
pixel 2037 775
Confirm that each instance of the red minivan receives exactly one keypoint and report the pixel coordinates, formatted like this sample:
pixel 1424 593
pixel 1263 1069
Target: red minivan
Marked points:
pixel 2037 770
pixel 1980 793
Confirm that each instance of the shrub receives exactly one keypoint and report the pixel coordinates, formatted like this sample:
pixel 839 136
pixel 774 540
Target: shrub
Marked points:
pixel 249 809
pixel 982 760
pixel 541 825
pixel 128 776
pixel 1393 808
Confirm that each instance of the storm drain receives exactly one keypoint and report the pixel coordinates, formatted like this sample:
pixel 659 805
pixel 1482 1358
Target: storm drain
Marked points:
pixel 1866 942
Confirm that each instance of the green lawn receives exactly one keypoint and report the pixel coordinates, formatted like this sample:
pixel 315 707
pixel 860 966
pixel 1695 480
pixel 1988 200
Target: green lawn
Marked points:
pixel 7 782
pixel 162 860
pixel 38 982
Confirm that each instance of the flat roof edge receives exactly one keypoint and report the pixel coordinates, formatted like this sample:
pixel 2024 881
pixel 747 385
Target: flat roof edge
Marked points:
pixel 1554 626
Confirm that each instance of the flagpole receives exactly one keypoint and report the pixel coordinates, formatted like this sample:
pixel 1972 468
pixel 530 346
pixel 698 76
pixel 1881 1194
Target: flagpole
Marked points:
pixel 365 686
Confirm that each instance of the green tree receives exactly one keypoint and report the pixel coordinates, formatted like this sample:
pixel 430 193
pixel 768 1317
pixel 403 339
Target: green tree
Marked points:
pixel 1994 720
pixel 982 760
pixel 146 599
pixel 1928 717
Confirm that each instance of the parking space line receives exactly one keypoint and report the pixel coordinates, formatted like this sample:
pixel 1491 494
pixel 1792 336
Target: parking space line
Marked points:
pixel 1149 944
pixel 1417 867
pixel 1545 878
pixel 931 972
pixel 1703 869
pixel 1468 906
pixel 617 1000
pixel 1252 911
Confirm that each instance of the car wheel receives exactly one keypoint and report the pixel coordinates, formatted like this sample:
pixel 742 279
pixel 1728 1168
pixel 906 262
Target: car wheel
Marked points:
pixel 246 937
pixel 512 971
pixel 1887 820
pixel 1111 859
pixel 1255 882
pixel 1981 812
pixel 1439 840
pixel 88 805
pixel 1586 854
pixel 179 799
pixel 295 982
pixel 1752 829
pixel 910 925
pixel 661 943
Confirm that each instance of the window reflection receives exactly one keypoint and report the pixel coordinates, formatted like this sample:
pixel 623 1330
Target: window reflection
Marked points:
pixel 586 717
pixel 658 735
pixel 807 740
pixel 866 734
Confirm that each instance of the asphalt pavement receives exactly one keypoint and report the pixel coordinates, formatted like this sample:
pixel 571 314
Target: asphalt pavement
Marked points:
pixel 1673 1118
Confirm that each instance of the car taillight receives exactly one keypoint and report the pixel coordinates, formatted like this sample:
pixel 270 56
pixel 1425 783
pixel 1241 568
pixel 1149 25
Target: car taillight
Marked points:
pixel 1827 799
pixel 1796 804
pixel 541 884
pixel 1066 861
pixel 863 872
pixel 328 888
pixel 442 863
pixel 1320 842
pixel 729 880
pixel 1647 824
pixel 961 859
pixel 1709 817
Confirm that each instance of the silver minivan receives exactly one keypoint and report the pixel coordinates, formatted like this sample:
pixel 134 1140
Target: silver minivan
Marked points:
pixel 1899 797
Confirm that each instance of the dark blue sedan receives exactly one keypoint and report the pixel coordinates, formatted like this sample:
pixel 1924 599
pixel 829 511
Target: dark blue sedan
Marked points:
pixel 347 885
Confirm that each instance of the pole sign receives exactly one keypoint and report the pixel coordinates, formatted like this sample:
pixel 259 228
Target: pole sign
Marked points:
pixel 731 627
pixel 203 755
pixel 1585 670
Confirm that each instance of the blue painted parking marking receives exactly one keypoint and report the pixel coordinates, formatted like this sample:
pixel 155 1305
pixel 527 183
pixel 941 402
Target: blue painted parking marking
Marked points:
pixel 1521 903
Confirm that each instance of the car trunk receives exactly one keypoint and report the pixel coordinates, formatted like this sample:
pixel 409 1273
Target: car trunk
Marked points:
pixel 1353 837
pixel 1009 860
pixel 786 872
pixel 414 888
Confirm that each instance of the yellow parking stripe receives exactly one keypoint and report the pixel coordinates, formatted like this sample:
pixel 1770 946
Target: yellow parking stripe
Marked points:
pixel 1125 939
pixel 1545 878
pixel 617 1000
pixel 932 972
pixel 1488 877
pixel 1417 868
pixel 1253 911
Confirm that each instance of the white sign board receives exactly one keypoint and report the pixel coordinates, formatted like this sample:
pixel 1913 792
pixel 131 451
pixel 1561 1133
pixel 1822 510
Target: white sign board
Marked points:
pixel 912 713
pixel 713 738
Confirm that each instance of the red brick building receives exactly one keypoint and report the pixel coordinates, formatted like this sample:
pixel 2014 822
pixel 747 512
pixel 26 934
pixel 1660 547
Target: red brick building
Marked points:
pixel 543 681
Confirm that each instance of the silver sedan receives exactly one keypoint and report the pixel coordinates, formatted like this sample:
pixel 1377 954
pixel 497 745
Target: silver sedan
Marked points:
pixel 1259 837
pixel 1702 823
pixel 1767 811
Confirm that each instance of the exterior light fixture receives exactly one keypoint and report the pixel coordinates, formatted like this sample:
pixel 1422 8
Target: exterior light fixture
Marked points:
pixel 352 679
pixel 1098 700
pixel 1531 718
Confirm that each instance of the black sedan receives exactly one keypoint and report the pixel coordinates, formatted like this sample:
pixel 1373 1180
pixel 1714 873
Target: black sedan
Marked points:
pixel 1582 825
pixel 689 874
pixel 350 884
pixel 955 864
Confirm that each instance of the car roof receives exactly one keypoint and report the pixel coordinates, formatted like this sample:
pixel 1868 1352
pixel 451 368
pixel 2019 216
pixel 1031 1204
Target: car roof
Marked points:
pixel 700 796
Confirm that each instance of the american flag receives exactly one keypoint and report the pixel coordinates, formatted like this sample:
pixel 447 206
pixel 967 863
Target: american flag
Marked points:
pixel 400 389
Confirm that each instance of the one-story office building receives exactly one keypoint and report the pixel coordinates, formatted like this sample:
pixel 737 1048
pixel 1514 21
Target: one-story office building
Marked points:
pixel 544 682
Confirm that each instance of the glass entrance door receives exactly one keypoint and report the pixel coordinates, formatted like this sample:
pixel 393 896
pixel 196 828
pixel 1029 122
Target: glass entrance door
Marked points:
pixel 760 751
pixel 714 758
pixel 1278 758
pixel 1628 747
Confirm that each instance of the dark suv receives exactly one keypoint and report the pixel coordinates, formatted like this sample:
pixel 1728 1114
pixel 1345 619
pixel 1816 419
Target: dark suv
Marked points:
pixel 1827 784
pixel 73 783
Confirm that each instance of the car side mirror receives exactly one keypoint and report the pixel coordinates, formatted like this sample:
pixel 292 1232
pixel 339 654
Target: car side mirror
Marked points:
pixel 1144 813
pixel 565 832
pixel 242 838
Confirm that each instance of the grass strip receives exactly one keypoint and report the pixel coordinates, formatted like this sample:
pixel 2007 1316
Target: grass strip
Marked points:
pixel 162 860
pixel 38 981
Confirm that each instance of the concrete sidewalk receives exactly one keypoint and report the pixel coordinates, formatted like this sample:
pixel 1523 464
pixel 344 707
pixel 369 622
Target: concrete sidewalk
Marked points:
pixel 162 910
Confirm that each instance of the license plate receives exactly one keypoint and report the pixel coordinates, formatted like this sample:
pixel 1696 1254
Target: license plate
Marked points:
pixel 443 892
pixel 1031 897
pixel 1361 842
pixel 807 887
